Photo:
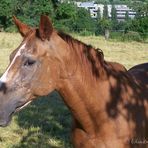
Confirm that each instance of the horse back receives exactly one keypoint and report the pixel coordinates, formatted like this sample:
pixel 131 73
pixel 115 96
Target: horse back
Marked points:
pixel 140 74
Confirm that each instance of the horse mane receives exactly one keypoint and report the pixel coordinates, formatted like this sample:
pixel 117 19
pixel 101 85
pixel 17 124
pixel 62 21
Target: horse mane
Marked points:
pixel 91 58
pixel 69 39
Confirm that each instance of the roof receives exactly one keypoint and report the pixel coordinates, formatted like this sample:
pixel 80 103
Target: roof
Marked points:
pixel 87 4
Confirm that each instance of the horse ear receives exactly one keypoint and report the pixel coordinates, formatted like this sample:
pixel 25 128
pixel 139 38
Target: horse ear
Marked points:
pixel 45 28
pixel 22 28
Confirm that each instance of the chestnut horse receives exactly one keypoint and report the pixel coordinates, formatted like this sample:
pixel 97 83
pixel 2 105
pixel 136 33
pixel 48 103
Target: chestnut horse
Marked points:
pixel 109 104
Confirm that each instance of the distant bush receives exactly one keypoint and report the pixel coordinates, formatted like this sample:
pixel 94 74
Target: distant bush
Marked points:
pixel 84 23
pixel 11 29
pixel 85 33
pixel 132 36
pixel 129 36
pixel 139 25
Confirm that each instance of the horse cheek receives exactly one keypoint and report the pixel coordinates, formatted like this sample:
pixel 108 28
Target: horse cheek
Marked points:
pixel 44 85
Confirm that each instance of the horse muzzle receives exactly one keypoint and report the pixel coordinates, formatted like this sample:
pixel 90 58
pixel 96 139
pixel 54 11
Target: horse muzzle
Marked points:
pixel 4 119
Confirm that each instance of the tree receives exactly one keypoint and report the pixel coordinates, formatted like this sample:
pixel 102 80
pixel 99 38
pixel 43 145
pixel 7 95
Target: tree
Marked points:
pixel 111 1
pixel 105 22
pixel 66 14
pixel 140 25
pixel 113 14
pixel 84 22
pixel 98 15
pixel 28 10
pixel 105 12
pixel 104 26
pixel 6 11
pixel 127 18
pixel 66 11
pixel 141 8
pixel 114 18
pixel 55 3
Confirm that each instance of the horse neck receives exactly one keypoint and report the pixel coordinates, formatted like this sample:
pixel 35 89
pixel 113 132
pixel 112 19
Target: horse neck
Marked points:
pixel 85 103
pixel 80 90
pixel 84 60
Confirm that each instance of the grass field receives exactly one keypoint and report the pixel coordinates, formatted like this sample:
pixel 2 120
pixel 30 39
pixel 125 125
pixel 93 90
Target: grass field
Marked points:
pixel 46 122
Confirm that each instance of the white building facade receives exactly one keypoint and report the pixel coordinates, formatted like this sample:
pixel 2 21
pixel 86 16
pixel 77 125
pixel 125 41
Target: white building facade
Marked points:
pixel 121 10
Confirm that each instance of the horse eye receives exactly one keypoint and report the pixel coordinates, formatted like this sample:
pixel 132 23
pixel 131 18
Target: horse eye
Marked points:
pixel 29 62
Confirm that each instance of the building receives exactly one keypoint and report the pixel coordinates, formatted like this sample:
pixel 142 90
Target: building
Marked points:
pixel 121 10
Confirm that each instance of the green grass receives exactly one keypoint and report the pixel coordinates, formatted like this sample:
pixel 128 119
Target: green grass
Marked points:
pixel 47 121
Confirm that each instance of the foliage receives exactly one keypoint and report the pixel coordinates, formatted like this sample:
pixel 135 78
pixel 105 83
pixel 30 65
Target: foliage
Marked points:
pixel 114 18
pixel 119 26
pixel 6 10
pixel 66 11
pixel 67 17
pixel 105 24
pixel 84 22
pixel 116 35
pixel 141 7
pixel 139 25
pixel 127 16
pixel 55 3
pixel 98 15
pixel 28 11
pixel 85 33
pixel 105 12
pixel 113 14
pixel 129 36
pixel 132 36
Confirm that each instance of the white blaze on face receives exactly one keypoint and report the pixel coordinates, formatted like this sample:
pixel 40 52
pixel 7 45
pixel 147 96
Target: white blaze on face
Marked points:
pixel 5 76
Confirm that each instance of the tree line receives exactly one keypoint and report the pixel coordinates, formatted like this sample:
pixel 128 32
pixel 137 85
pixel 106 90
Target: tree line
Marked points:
pixel 69 18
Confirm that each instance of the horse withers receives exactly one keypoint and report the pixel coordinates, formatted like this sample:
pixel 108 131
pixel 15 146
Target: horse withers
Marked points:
pixel 109 104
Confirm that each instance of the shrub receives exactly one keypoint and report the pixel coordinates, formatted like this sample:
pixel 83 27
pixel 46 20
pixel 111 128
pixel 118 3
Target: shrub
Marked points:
pixel 84 22
pixel 62 27
pixel 132 36
pixel 11 29
pixel 85 33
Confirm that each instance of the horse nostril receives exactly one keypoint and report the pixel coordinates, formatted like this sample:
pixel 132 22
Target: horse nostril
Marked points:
pixel 3 87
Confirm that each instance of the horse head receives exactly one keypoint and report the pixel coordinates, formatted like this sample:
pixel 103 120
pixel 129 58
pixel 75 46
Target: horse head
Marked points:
pixel 34 68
